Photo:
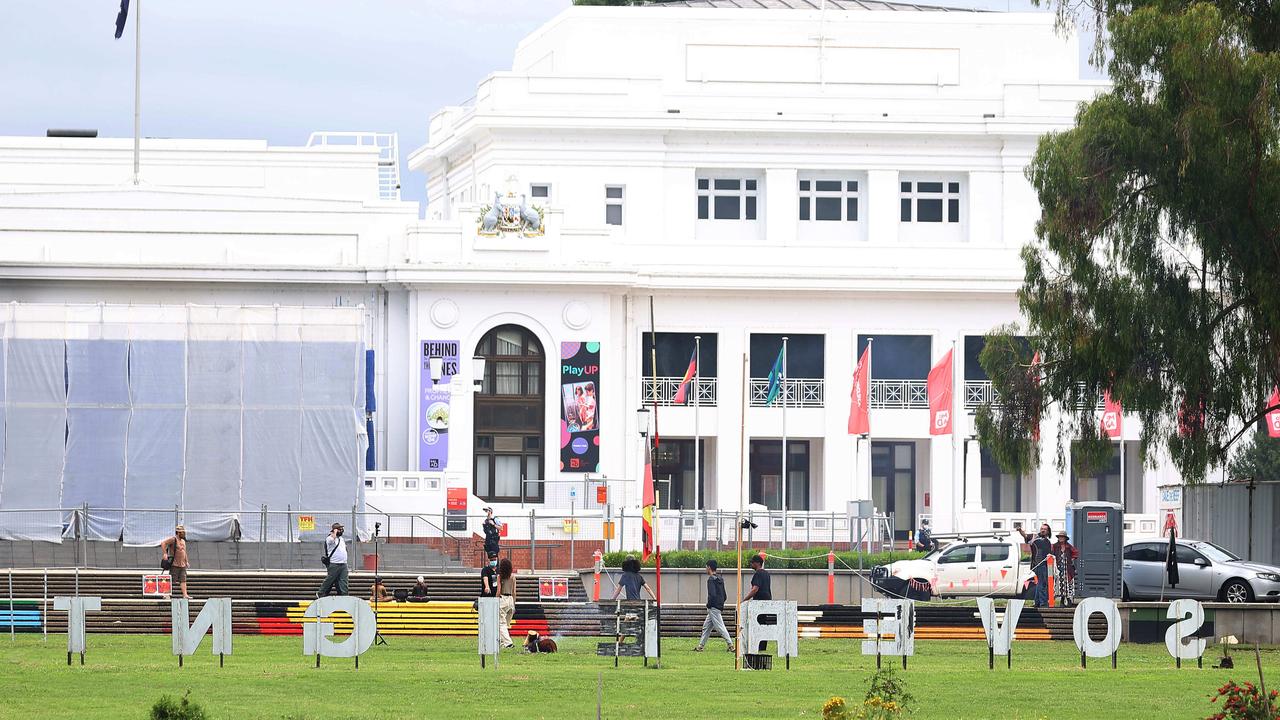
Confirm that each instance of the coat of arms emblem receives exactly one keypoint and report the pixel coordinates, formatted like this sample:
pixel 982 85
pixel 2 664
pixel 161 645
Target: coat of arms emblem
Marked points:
pixel 510 215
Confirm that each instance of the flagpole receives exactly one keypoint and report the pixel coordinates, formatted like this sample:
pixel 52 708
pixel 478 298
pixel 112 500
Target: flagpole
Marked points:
pixel 742 494
pixel 783 385
pixel 870 382
pixel 697 435
pixel 955 507
pixel 137 88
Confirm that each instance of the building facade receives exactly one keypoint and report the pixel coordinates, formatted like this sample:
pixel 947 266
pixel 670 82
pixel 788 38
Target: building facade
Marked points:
pixel 645 187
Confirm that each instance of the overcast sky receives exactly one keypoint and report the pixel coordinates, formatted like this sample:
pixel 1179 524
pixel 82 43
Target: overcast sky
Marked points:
pixel 273 69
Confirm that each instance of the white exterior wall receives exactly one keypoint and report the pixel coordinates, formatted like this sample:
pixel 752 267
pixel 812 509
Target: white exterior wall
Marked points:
pixel 646 98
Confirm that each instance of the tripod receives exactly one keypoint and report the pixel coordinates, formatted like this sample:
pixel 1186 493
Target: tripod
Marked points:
pixel 377 580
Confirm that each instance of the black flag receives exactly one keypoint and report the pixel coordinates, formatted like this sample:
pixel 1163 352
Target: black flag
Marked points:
pixel 1171 559
pixel 120 19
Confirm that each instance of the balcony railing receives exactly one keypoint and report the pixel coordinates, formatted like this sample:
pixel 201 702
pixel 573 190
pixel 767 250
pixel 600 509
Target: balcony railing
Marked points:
pixel 796 392
pixel 666 388
pixel 980 392
pixel 899 394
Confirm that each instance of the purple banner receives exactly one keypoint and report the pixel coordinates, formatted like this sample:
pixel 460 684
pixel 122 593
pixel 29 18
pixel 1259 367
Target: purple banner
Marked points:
pixel 433 403
pixel 579 410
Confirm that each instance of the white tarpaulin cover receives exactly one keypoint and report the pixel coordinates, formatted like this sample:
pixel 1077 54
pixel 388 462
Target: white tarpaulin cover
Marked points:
pixel 134 411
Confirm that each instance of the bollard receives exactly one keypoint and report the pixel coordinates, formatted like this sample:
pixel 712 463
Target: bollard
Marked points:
pixel 831 577
pixel 597 562
pixel 1053 578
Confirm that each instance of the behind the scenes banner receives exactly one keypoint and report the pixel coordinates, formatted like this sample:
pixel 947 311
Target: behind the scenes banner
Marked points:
pixel 433 405
pixel 579 407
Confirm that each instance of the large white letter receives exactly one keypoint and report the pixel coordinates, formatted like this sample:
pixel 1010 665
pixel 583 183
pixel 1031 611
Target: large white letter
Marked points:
pixel 1184 627
pixel 901 623
pixel 1080 627
pixel 999 637
pixel 215 614
pixel 315 635
pixel 76 608
pixel 783 632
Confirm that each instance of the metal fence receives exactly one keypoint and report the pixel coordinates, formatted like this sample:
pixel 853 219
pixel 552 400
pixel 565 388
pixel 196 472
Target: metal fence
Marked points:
pixel 545 540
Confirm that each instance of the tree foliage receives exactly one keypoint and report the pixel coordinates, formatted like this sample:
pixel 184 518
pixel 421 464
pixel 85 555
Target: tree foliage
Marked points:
pixel 1154 270
pixel 1259 459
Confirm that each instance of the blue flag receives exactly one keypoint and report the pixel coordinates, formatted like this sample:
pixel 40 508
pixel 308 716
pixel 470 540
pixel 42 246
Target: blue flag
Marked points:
pixel 775 381
pixel 124 15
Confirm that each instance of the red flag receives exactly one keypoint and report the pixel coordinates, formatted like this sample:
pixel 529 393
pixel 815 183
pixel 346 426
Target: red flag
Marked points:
pixel 1273 417
pixel 646 503
pixel 683 391
pixel 859 399
pixel 939 389
pixel 1035 378
pixel 1112 417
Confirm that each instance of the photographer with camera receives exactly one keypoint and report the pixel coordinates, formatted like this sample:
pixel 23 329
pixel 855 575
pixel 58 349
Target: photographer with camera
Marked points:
pixel 335 557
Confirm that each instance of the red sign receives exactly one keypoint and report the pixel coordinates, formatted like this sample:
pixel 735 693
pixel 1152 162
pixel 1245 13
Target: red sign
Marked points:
pixel 556 588
pixel 602 494
pixel 1095 516
pixel 456 499
pixel 156 585
pixel 502 529
pixel 938 387
pixel 1112 417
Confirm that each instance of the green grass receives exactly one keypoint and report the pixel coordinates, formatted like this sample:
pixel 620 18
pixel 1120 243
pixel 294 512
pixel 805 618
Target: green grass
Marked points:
pixel 268 677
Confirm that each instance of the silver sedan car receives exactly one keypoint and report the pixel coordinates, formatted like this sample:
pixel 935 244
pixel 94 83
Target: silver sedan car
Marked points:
pixel 1205 572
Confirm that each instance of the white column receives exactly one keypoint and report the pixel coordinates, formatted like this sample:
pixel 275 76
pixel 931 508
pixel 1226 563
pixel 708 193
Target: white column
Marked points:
pixel 973 477
pixel 781 207
pixel 883 211
pixel 731 344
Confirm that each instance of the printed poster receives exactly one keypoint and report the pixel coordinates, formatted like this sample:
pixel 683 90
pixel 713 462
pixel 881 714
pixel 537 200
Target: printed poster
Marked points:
pixel 433 405
pixel 579 407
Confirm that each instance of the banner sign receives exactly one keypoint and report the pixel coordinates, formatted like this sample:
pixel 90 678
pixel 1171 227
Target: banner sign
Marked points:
pixel 306 523
pixel 433 405
pixel 456 509
pixel 157 585
pixel 579 412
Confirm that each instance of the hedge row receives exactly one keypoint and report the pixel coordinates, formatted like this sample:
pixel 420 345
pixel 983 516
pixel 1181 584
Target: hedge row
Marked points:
pixel 777 560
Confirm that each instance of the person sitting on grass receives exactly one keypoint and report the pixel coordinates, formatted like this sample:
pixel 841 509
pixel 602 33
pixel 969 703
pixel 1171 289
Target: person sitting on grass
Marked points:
pixel 535 643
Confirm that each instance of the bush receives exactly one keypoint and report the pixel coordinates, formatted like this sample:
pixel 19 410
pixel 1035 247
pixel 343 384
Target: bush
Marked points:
pixel 885 700
pixel 167 708
pixel 1245 702
pixel 777 560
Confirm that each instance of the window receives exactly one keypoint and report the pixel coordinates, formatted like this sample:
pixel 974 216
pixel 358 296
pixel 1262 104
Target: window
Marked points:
pixel 509 417
pixel 1145 552
pixel 994 553
pixel 613 204
pixel 824 200
pixel 930 201
pixel 1187 556
pixel 540 191
pixel 961 554
pixel 727 198
pixel 1001 491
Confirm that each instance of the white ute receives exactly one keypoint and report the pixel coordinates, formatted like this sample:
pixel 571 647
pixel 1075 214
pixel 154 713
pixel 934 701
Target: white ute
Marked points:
pixel 966 566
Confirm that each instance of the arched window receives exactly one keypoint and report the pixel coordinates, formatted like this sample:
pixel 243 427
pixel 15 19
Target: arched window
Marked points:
pixel 510 417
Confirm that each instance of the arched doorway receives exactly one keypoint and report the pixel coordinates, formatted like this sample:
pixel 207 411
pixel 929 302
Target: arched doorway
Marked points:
pixel 510 417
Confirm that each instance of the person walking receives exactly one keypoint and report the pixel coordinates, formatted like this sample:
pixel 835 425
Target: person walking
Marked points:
pixel 506 602
pixel 335 557
pixel 173 552
pixel 1041 546
pixel 761 589
pixel 492 532
pixel 716 596
pixel 1065 555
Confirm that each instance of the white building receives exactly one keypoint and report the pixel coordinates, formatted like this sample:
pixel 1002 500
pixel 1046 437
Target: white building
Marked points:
pixel 736 175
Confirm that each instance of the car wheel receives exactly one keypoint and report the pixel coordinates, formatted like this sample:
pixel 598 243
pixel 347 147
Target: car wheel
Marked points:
pixel 1237 591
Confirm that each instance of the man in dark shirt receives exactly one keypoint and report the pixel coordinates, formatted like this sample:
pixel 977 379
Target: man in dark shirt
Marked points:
pixel 1041 546
pixel 715 606
pixel 489 577
pixel 761 589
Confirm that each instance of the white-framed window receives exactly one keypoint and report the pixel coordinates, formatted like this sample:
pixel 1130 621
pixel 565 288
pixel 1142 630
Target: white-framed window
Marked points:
pixel 728 197
pixel 932 200
pixel 824 199
pixel 410 483
pixel 613 196
pixel 540 191
pixel 388 483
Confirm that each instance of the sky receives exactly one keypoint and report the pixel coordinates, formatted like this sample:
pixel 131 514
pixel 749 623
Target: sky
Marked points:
pixel 263 69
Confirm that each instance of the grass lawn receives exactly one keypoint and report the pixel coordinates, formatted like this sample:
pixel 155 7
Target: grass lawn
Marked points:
pixel 414 678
